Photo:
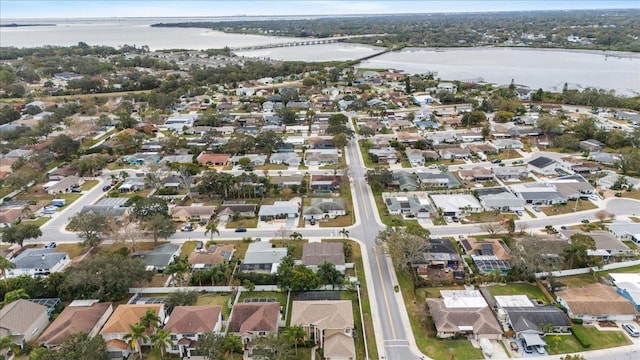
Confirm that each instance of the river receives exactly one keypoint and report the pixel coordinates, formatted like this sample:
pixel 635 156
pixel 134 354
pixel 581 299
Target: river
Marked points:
pixel 537 68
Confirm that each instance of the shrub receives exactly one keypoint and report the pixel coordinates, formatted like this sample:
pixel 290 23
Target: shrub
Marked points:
pixel 575 321
pixel 582 338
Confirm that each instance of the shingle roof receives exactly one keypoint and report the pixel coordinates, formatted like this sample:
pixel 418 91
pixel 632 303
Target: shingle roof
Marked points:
pixel 481 319
pixel 596 300
pixel 127 314
pixel 193 319
pixel 250 317
pixel 532 318
pixel 18 316
pixel 316 253
pixel 324 314
pixel 74 319
pixel 38 259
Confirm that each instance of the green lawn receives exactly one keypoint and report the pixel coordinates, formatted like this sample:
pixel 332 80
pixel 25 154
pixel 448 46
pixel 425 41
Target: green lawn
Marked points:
pixel 425 333
pixel 216 299
pixel 532 291
pixel 297 246
pixel 73 250
pixel 88 185
pixel 598 339
pixel 568 208
pixel 577 281
pixel 39 221
pixel 187 248
pixel 246 223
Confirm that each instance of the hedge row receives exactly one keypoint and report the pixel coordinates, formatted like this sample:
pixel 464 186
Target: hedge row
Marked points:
pixel 580 335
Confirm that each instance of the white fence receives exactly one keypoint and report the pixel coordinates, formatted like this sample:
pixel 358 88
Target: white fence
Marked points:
pixel 570 272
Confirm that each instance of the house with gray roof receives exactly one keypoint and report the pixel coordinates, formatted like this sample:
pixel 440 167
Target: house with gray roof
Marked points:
pixel 321 208
pixel 510 172
pixel 116 212
pixel 500 199
pixel 625 231
pixel 286 181
pixel 543 165
pixel 404 181
pixel 318 157
pixel 527 322
pixel 286 158
pixel 604 157
pixel 609 180
pixel 38 262
pixel 63 186
pixel 256 159
pixel 442 253
pixel 454 153
pixel 410 205
pixel 159 258
pixel 279 210
pixel 503 144
pixel 538 193
pixel 18 153
pixel 438 179
pixel 315 254
pixel 263 257
pixel 383 156
pixel 132 184
pixel 415 157
pixel 22 321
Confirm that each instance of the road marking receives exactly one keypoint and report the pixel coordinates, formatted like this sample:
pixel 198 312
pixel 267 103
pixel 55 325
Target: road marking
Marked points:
pixel 364 207
pixel 384 292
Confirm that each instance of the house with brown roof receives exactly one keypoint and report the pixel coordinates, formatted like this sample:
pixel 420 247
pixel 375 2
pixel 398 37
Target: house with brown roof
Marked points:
pixel 10 215
pixel 229 209
pixel 192 213
pixel 214 255
pixel 596 302
pixel 23 320
pixel 187 324
pixel 329 323
pixel 117 326
pixel 464 313
pixel 252 320
pixel 81 316
pixel 213 160
pixel 477 173
pixel 316 253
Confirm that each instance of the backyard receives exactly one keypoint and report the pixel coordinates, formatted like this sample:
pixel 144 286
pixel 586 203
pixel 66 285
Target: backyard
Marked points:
pixel 532 291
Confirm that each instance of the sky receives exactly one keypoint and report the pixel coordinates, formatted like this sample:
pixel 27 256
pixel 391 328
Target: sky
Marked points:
pixel 17 9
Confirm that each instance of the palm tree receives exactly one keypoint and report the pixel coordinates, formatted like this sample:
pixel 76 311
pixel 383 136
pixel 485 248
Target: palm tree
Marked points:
pixel 150 320
pixel 7 345
pixel 14 295
pixel 161 340
pixel 295 333
pixel 136 336
pixel 212 227
pixel 232 343
pixel 295 236
pixel 344 232
pixel 4 265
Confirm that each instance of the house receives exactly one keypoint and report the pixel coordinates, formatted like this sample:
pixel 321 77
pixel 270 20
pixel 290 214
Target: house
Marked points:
pixel 142 158
pixel 254 159
pixel 330 324
pixel 442 254
pixel 319 157
pixel 591 145
pixel 383 156
pixel 596 302
pixel 409 205
pixel 488 255
pixel 628 286
pixel 22 321
pixel 213 160
pixel 132 184
pixel 188 324
pixel 625 231
pixel 79 317
pixel 119 323
pixel 279 210
pixel 470 136
pixel 179 123
pixel 229 209
pixel 286 181
pixel 263 257
pixel 456 204
pixel 510 173
pixel 532 323
pixel 38 262
pixel 607 244
pixel 573 186
pixel 9 216
pixel 604 158
pixel 538 193
pixel 543 165
pixel 324 209
pixel 63 186
pixel 404 181
pixel 609 181
pixel 477 173
pixel 159 258
pixel 437 179
pixel 499 198
pixel 325 183
pixel 463 313
pixel 213 255
pixel 192 213
pixel 316 253
pixel 415 157
pixel 252 320
pixel 447 87
pixel 507 144
pixel 286 158
pixel 454 153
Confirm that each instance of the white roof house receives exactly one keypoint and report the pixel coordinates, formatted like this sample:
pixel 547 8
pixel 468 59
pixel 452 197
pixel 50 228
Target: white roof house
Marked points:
pixel 503 301
pixel 628 285
pixel 463 299
pixel 455 204
pixel 625 231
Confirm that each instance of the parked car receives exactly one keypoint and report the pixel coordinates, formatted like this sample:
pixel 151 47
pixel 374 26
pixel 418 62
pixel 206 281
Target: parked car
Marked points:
pixel 536 209
pixel 455 219
pixel 632 330
pixel 540 350
pixel 563 227
pixel 518 162
pixel 50 245
pixel 186 227
pixel 312 222
pixel 496 161
pixel 241 229
pixel 518 212
pixel 106 188
pixel 199 245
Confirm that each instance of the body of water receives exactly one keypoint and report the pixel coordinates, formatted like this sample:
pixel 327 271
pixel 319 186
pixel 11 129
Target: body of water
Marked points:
pixel 537 68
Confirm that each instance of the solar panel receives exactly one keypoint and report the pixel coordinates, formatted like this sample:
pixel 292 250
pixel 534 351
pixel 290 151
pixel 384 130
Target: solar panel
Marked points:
pixel 487 249
pixel 151 300
pixel 260 300
pixel 319 295
pixel 466 245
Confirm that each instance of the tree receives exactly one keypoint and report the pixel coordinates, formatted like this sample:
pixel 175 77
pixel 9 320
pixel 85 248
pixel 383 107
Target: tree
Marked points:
pixel 63 146
pixel 158 226
pixel 137 334
pixel 89 164
pixel 7 345
pixel 575 253
pixel 329 275
pixel 161 340
pixel 91 227
pixel 491 227
pixel 344 232
pixel 211 346
pixel 14 295
pixel 268 141
pixel 245 164
pixel 403 247
pixel 473 118
pixel 601 215
pixel 285 272
pixel 272 347
pixel 366 131
pixel 294 334
pixel 340 140
pixel 5 264
pixel 288 115
pixel 178 267
pixel 503 116
pixel 18 233
pixel 211 228
pixel 510 226
pixel 304 278
pixel 83 347
pixel 295 236
pixel 150 320
pixel 182 298
pixel 106 277
pixel 142 208
pixel 530 255
pixel 379 178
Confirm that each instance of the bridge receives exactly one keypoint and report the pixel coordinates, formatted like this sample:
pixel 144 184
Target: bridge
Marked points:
pixel 318 41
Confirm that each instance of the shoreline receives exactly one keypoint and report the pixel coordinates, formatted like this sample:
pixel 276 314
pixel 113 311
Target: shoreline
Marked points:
pixel 612 53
